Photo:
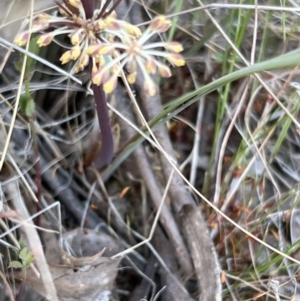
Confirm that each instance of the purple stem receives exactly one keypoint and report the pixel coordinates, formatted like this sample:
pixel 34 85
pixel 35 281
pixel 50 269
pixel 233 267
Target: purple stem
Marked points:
pixel 107 143
pixel 20 292
pixel 103 9
pixel 112 9
pixel 88 6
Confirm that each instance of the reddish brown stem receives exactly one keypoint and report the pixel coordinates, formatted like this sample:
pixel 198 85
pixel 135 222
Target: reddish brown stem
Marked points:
pixel 88 6
pixel 20 292
pixel 104 14
pixel 107 144
pixel 103 9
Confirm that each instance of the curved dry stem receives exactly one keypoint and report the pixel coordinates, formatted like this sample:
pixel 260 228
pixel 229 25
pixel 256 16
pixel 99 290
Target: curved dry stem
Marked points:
pixel 196 233
pixel 33 242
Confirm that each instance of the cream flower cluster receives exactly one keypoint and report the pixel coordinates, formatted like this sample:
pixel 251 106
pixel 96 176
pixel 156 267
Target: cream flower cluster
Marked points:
pixel 108 43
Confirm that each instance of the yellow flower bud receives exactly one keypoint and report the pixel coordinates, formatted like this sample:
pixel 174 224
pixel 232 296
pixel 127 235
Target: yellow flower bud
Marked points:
pixel 66 57
pixel 106 49
pixel 99 76
pixel 173 47
pixel 75 52
pixel 38 25
pixel 22 38
pixel 83 62
pixel 100 60
pixel 95 69
pixel 110 84
pixel 99 49
pixel 164 70
pixel 43 17
pixel 112 23
pixel 77 37
pixel 131 29
pixel 93 49
pixel 113 14
pixel 131 78
pixel 160 24
pixel 76 3
pixel 150 87
pixel 115 68
pixel 176 59
pixel 151 66
pixel 63 10
pixel 101 24
pixel 45 39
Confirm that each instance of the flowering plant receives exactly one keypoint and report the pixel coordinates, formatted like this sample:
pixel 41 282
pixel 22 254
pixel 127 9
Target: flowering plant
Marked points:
pixel 108 46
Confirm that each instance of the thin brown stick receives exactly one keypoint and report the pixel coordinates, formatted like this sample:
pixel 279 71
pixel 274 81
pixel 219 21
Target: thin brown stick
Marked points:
pixel 145 169
pixel 34 242
pixel 194 226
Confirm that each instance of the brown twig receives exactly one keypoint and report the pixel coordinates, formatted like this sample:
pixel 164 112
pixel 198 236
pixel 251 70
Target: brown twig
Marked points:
pixel 201 246
pixel 145 170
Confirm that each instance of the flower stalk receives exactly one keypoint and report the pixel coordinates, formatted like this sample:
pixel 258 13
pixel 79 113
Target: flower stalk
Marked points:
pixel 107 143
pixel 108 46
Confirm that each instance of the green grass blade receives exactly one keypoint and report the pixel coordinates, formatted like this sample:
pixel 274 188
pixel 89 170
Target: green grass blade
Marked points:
pixel 174 107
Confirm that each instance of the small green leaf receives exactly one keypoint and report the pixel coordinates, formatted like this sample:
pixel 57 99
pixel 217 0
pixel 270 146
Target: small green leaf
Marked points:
pixel 18 65
pixel 23 104
pixel 16 265
pixel 30 63
pixel 23 254
pixel 28 259
pixel 35 49
pixel 27 105
pixel 22 243
pixel 219 57
pixel 30 107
